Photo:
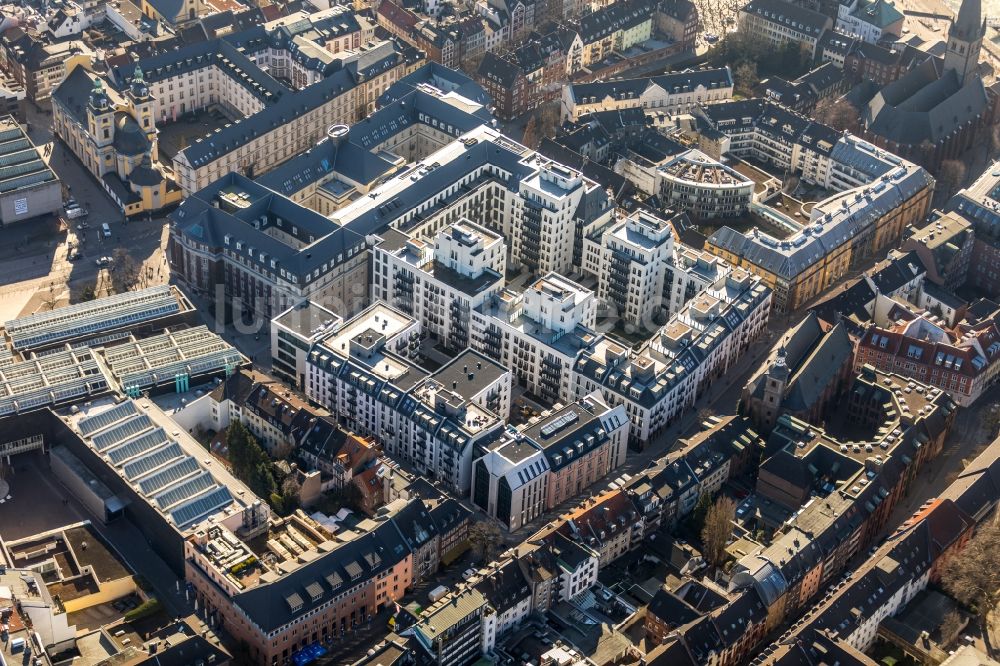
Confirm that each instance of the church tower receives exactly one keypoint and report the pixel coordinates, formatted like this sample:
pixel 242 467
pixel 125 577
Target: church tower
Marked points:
pixel 99 115
pixel 965 39
pixel 142 104
pixel 774 389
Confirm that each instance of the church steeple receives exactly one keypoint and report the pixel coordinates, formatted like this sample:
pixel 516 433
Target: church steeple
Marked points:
pixel 969 24
pixel 965 40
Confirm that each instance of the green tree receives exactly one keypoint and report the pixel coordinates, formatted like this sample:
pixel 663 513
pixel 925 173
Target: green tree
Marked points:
pixel 700 511
pixel 249 461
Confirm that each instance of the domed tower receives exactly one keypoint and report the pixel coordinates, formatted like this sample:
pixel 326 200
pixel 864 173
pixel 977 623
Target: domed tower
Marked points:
pixel 965 40
pixel 99 115
pixel 142 103
pixel 774 388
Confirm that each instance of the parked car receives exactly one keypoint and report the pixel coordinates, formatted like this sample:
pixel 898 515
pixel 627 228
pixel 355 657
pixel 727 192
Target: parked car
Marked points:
pixel 74 255
pixel 82 226
pixel 104 261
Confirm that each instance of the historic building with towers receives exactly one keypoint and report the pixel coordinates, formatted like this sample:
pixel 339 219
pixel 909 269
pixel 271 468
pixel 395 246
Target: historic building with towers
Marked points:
pixel 113 132
pixel 805 372
pixel 939 109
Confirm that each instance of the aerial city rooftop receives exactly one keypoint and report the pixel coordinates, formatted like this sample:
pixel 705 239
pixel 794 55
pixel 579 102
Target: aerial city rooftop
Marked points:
pixel 650 332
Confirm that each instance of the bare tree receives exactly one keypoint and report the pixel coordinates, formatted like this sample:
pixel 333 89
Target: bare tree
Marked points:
pixel 989 419
pixel 470 63
pixel 952 623
pixel 745 78
pixel 531 138
pixel 972 576
pixel 717 530
pixel 83 293
pixel 484 536
pixel 950 177
pixel 548 119
pixel 704 414
pixel 718 15
pixel 838 114
pixel 994 140
pixel 49 297
pixel 125 271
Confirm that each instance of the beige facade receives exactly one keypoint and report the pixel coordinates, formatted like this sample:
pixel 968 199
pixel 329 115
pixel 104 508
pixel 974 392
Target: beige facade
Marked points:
pixel 114 134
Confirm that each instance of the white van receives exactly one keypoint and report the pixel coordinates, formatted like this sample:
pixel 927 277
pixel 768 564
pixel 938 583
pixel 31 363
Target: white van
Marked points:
pixel 106 230
pixel 437 593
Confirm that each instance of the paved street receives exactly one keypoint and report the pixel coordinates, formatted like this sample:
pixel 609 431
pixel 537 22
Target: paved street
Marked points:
pixel 33 256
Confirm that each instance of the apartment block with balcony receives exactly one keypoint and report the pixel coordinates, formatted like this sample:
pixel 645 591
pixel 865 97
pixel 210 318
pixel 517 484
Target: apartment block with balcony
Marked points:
pixel 877 195
pixel 440 284
pixel 665 377
pixel 538 333
pixel 363 374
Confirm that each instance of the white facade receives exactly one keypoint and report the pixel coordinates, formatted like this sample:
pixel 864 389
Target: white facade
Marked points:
pixel 695 183
pixel 538 333
pixel 673 94
pixel 544 218
pixel 524 469
pixel 440 284
pixel 864 19
pixel 579 580
pixel 362 374
pixel 643 272
pixel 698 345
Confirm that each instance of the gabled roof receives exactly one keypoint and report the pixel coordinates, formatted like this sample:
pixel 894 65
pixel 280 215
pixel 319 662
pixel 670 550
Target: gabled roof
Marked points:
pixel 170 10
pixel 925 104
pixel 499 70
pixel 822 367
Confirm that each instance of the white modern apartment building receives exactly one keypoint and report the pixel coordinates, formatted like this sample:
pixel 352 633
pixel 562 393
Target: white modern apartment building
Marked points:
pixel 631 264
pixel 440 283
pixel 544 218
pixel 537 467
pixel 538 333
pixel 643 273
pixel 433 421
pixel 698 345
